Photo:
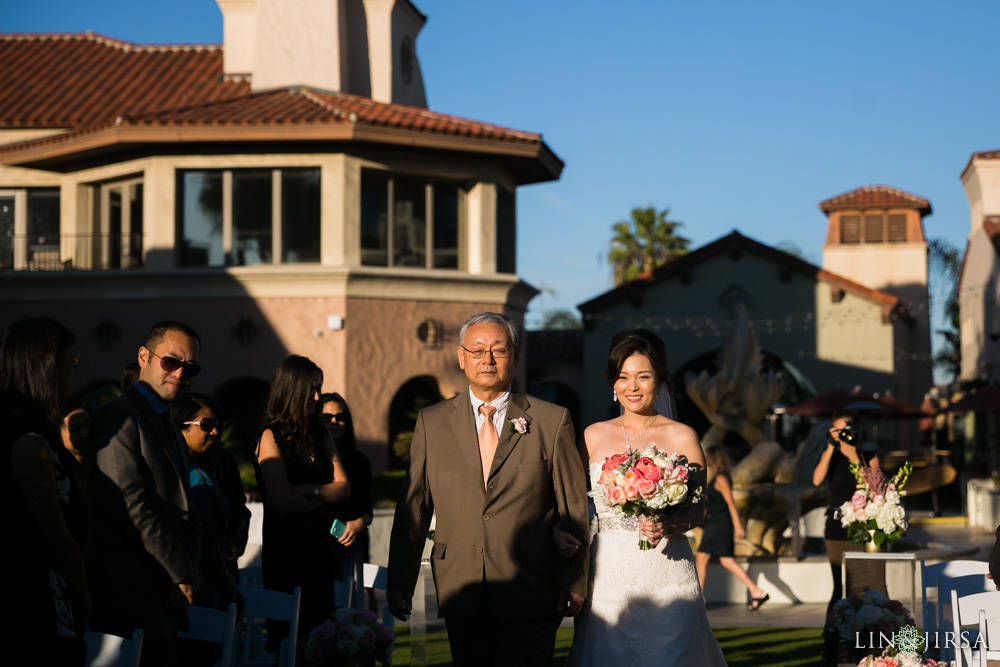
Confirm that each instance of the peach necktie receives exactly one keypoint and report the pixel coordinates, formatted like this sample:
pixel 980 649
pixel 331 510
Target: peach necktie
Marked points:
pixel 488 439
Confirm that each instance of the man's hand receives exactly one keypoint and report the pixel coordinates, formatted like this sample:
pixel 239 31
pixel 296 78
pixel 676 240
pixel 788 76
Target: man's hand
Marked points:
pixel 400 604
pixel 569 603
pixel 190 584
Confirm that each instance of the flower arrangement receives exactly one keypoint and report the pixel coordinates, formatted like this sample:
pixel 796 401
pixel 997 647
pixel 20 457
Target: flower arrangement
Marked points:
pixel 648 483
pixel 892 659
pixel 853 618
pixel 349 635
pixel 875 506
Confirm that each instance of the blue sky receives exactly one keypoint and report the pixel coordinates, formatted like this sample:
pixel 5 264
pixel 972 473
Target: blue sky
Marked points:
pixel 733 114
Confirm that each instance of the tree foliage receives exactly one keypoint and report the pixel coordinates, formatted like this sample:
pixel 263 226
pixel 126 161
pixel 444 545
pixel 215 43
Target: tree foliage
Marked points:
pixel 945 265
pixel 561 320
pixel 643 242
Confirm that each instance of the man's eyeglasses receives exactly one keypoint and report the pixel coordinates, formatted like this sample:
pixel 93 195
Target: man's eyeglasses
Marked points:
pixel 340 417
pixel 171 364
pixel 497 352
pixel 206 424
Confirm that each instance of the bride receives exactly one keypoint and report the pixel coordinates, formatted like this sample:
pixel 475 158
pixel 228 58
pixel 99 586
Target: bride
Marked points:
pixel 642 607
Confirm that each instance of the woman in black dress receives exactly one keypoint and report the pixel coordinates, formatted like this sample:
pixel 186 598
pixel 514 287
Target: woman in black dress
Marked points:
pixel 356 513
pixel 48 601
pixel 722 522
pixel 834 467
pixel 301 479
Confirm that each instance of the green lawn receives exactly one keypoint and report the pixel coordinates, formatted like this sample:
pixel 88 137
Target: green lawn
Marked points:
pixel 743 647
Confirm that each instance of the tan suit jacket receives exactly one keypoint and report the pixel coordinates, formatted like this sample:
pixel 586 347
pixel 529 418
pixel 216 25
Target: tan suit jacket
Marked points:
pixel 500 533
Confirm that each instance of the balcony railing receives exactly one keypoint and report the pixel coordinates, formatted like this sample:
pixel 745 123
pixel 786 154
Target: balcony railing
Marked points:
pixel 68 252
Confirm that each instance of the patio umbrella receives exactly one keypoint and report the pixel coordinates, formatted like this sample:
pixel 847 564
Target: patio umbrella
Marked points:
pixel 985 398
pixel 825 404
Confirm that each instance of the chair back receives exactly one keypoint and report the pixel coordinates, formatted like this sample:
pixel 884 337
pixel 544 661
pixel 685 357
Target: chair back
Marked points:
pixel 270 605
pixel 970 609
pixel 212 625
pixel 251 577
pixel 113 651
pixel 375 578
pixel 964 576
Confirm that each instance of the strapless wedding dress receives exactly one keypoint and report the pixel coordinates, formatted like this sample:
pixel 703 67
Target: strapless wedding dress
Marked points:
pixel 643 608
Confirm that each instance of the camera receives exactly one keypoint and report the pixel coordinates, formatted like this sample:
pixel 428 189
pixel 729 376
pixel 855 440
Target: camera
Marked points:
pixel 847 435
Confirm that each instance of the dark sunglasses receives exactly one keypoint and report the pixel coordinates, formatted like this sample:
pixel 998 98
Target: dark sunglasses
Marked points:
pixel 171 364
pixel 340 417
pixel 206 424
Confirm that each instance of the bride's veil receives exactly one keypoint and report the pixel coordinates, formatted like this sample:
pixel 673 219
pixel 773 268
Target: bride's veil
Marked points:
pixel 664 403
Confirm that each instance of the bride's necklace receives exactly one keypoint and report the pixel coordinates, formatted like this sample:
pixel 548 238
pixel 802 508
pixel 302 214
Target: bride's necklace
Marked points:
pixel 629 438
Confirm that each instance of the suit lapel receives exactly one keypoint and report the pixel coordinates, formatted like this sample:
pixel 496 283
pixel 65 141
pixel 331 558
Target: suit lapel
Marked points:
pixel 155 423
pixel 517 407
pixel 464 426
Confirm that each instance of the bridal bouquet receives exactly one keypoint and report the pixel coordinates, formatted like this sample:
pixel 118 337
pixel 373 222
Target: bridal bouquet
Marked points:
pixel 874 513
pixel 648 483
pixel 909 659
pixel 350 636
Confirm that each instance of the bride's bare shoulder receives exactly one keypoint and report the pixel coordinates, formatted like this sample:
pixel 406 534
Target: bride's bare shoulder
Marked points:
pixel 603 439
pixel 673 435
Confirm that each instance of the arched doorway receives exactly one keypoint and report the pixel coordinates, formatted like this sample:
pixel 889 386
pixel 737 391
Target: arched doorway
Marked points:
pixel 415 395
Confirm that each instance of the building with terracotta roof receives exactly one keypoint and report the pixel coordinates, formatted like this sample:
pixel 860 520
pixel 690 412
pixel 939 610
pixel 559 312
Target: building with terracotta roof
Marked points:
pixel 979 283
pixel 286 192
pixel 818 328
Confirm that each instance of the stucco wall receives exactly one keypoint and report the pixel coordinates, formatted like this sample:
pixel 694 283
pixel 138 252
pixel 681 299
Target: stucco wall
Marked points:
pixel 979 303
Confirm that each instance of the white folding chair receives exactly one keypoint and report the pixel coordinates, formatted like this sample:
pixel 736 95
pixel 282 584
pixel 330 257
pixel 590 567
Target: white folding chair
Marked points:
pixel 962 585
pixel 212 625
pixel 113 651
pixel 270 605
pixel 375 579
pixel 989 630
pixel 934 618
pixel 965 611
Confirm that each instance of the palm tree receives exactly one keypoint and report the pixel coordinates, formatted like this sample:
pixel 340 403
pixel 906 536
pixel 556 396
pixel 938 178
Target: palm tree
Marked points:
pixel 944 266
pixel 645 241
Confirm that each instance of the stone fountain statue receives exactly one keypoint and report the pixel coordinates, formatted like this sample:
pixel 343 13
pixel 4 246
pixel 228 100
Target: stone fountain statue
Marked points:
pixel 771 489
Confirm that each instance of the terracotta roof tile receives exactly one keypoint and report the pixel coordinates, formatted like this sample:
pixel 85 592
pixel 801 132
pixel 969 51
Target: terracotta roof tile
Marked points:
pixel 76 80
pixel 983 155
pixel 875 196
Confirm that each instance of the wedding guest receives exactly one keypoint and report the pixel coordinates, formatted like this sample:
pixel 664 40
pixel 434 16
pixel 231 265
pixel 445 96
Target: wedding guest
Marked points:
pixel 301 478
pixel 357 512
pixel 722 522
pixel 46 590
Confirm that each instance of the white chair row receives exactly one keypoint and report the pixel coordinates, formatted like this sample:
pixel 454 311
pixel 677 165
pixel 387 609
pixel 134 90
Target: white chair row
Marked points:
pixel 981 610
pixel 963 577
pixel 113 651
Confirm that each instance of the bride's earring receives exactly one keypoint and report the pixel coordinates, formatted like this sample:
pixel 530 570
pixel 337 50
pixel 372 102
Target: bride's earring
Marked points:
pixel 614 396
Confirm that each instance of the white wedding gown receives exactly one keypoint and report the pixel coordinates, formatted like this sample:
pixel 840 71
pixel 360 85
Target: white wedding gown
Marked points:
pixel 643 608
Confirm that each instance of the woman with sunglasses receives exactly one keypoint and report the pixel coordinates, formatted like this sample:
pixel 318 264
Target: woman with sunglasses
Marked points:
pixel 48 600
pixel 301 479
pixel 356 513
pixel 197 417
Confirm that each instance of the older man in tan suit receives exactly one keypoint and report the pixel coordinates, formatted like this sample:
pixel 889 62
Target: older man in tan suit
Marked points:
pixel 501 470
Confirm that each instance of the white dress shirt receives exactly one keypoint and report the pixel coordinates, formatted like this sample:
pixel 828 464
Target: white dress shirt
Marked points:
pixel 500 403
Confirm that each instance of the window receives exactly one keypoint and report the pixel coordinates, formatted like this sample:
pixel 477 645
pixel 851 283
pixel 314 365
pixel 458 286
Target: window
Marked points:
pixel 118 244
pixel 506 232
pixel 29 229
pixel 239 217
pixel 873 228
pixel 410 221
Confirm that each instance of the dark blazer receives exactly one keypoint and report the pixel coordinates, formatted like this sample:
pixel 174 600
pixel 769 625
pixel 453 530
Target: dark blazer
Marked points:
pixel 501 534
pixel 144 534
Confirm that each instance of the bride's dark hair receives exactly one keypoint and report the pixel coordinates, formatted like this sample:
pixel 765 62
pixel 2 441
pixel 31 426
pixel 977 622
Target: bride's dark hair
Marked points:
pixel 638 341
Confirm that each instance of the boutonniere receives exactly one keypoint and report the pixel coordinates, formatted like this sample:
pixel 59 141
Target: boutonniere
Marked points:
pixel 519 424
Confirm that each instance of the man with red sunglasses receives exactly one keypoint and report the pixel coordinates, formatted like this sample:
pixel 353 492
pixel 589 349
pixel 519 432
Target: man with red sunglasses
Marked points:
pixel 143 550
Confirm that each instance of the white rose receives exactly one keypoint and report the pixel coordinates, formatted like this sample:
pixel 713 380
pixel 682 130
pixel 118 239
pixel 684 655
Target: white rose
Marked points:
pixel 675 493
pixel 870 615
pixel 847 516
pixel 872 511
pixel 892 498
pixel 885 523
pixel 909 660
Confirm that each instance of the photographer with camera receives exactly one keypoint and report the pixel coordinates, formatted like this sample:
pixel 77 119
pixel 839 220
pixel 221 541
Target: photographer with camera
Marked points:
pixel 842 449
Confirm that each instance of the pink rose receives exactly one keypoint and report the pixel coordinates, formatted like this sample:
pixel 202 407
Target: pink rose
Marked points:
pixel 617 495
pixel 679 474
pixel 631 476
pixel 612 462
pixel 646 469
pixel 607 478
pixel 646 487
pixel 631 490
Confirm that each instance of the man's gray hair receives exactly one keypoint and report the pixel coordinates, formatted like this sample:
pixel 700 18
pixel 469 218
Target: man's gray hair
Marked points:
pixel 513 331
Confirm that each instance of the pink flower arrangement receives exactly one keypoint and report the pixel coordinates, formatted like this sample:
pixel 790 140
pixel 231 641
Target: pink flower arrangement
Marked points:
pixel 350 634
pixel 876 506
pixel 853 618
pixel 910 659
pixel 647 483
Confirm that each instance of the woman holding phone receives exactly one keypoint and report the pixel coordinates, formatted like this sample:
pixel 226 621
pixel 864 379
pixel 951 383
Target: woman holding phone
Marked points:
pixel 301 479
